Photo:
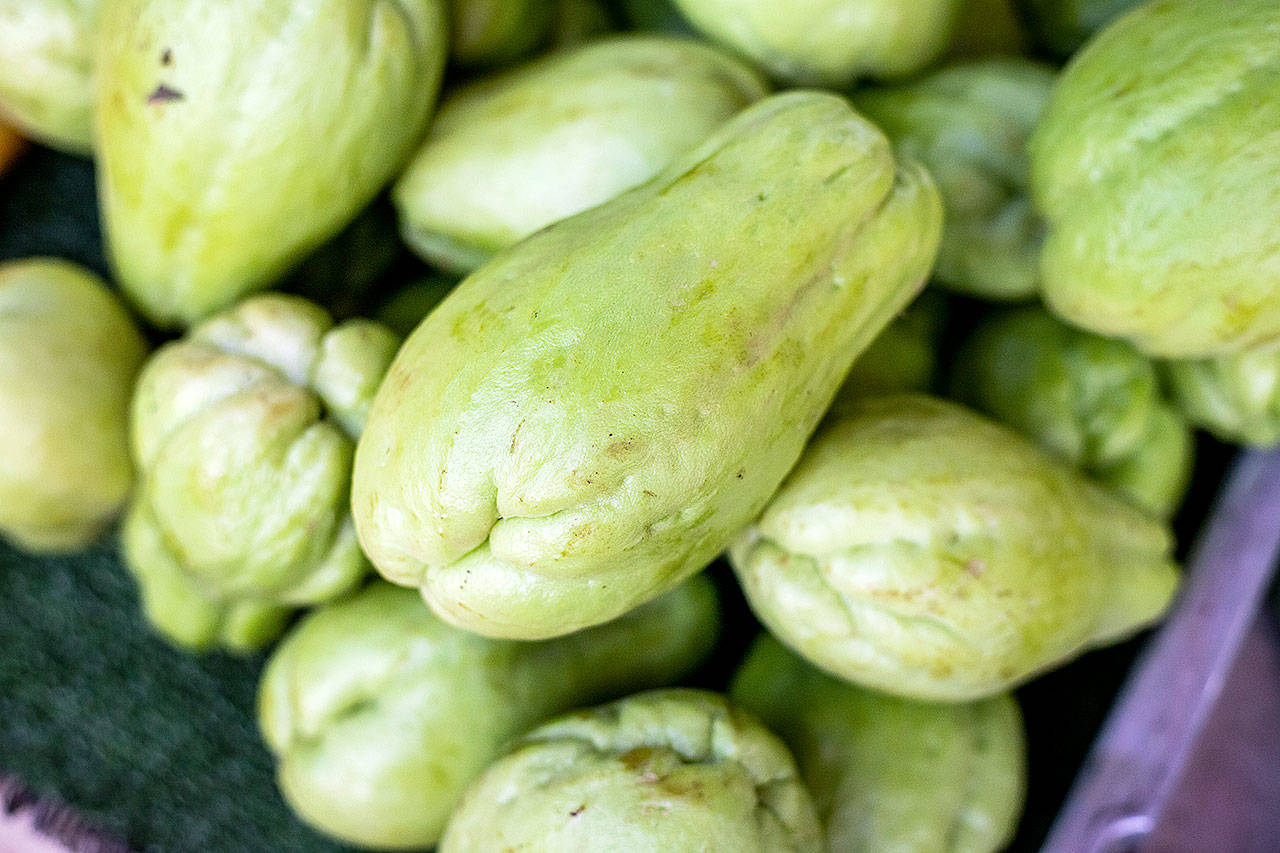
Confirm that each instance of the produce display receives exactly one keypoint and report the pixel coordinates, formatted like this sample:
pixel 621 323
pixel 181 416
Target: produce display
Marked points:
pixel 655 353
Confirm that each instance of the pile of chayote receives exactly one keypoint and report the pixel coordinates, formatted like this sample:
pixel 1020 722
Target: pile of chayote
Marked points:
pixel 692 238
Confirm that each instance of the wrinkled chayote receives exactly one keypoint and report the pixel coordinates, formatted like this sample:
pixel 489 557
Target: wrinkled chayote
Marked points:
pixel 243 433
pixel 69 354
pixel 46 69
pixel 1064 25
pixel 380 714
pixel 511 154
pixel 1236 397
pixel 1157 167
pixel 921 550
pixel 593 415
pixel 969 125
pixel 891 775
pixel 903 357
pixel 830 42
pixel 667 770
pixel 224 159
pixel 1094 401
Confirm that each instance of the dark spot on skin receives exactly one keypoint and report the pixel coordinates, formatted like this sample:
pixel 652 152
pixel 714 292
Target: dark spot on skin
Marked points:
pixel 579 810
pixel 637 758
pixel 166 58
pixel 163 95
pixel 650 494
pixel 618 448
pixel 975 567
pixel 740 473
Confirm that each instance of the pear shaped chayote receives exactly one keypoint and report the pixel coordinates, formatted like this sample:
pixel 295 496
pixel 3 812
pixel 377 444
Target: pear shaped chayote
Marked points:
pixel 969 125
pixel 1157 167
pixel 69 354
pixel 890 775
pixel 921 550
pixel 903 357
pixel 509 155
pixel 46 69
pixel 1236 397
pixel 668 771
pixel 590 417
pixel 830 43
pixel 243 433
pixel 1094 401
pixel 380 714
pixel 235 137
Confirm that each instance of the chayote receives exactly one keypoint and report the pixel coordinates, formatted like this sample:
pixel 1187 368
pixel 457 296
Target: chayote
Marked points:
pixel 890 774
pixel 591 417
pixel 408 306
pixel 969 125
pixel 578 22
pixel 830 42
pixel 921 550
pixel 1094 401
pixel 665 771
pixel 509 155
pixel 46 69
pixel 224 160
pixel 492 32
pixel 1157 167
pixel 988 28
pixel 69 354
pixel 1236 397
pixel 903 357
pixel 243 433
pixel 1064 25
pixel 380 714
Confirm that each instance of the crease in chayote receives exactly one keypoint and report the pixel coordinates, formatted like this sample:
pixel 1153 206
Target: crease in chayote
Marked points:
pixel 380 714
pixel 1157 167
pixel 667 770
pixel 924 551
pixel 1236 397
pixel 903 357
pixel 1094 401
pixel 243 434
pixel 969 124
pixel 891 775
pixel 47 70
pixel 830 43
pixel 510 154
pixel 225 159
pixel 593 415
pixel 69 354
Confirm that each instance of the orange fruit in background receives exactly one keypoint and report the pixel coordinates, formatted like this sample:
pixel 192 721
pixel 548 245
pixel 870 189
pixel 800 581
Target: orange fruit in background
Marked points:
pixel 10 145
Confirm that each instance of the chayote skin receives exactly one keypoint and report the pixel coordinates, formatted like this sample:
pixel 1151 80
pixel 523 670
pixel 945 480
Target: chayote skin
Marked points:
pixel 225 160
pixel 69 354
pixel 890 774
pixel 46 70
pixel 1094 401
pixel 903 357
pixel 1064 25
pixel 1236 397
pixel 921 550
pixel 243 433
pixel 830 43
pixel 969 125
pixel 578 22
pixel 1157 167
pixel 511 154
pixel 665 771
pixel 493 32
pixel 592 416
pixel 380 714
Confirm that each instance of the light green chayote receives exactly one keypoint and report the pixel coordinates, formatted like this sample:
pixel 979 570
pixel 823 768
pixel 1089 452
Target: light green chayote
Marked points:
pixel 46 69
pixel 380 714
pixel 1157 167
pixel 235 137
pixel 830 42
pixel 903 357
pixel 243 433
pixel 593 415
pixel 1236 397
pixel 1094 401
pixel 666 771
pixel 1064 25
pixel 921 550
pixel 969 125
pixel 890 775
pixel 511 154
pixel 69 354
